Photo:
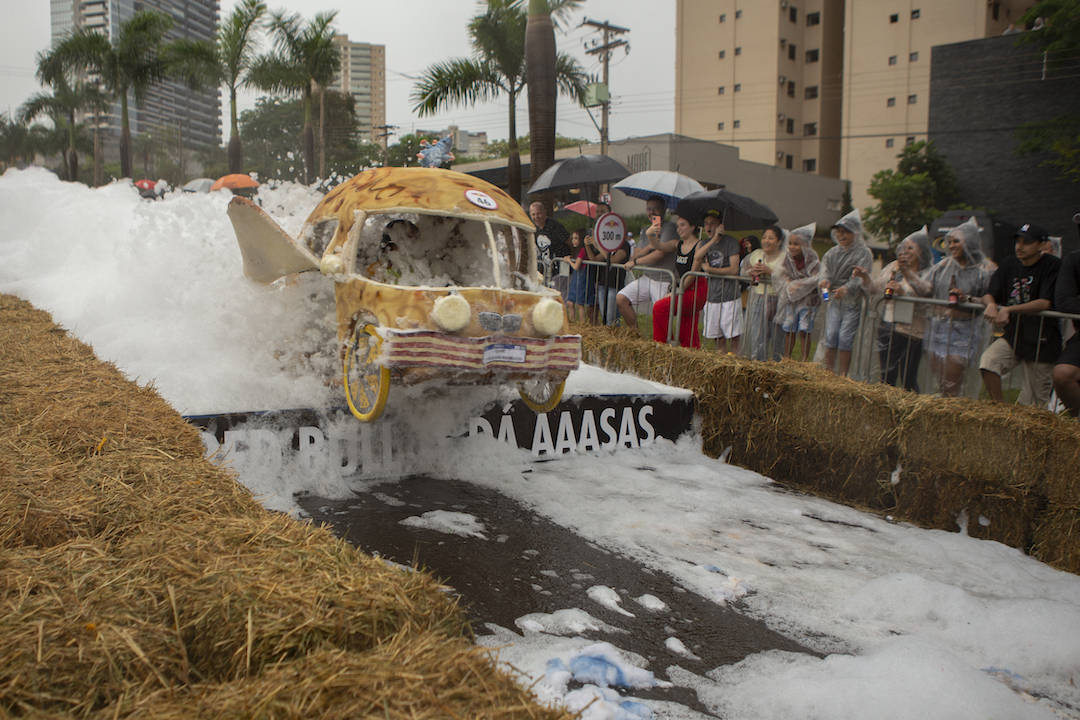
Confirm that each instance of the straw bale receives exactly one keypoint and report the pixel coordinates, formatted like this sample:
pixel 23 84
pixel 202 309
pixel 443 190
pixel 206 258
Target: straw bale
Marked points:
pixel 1056 537
pixel 424 677
pixel 1062 467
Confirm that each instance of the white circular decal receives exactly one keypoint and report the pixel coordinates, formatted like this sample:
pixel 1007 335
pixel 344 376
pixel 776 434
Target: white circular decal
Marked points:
pixel 610 231
pixel 481 199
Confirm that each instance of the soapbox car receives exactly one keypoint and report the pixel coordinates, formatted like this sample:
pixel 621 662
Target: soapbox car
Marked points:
pixel 435 280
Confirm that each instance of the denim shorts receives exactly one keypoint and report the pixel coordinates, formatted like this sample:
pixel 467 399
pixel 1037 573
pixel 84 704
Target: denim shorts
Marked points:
pixel 953 337
pixel 841 324
pixel 801 320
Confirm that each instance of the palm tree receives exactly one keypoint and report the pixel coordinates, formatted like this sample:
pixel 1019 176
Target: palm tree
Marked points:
pixel 305 59
pixel 236 50
pixel 541 72
pixel 14 142
pixel 131 64
pixel 61 105
pixel 497 66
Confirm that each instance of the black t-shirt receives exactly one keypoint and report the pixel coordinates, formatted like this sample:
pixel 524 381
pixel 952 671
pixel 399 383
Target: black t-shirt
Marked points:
pixel 552 241
pixel 1067 288
pixel 1014 283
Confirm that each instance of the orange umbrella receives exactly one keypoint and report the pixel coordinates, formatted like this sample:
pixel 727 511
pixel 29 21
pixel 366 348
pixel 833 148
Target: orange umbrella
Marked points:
pixel 236 181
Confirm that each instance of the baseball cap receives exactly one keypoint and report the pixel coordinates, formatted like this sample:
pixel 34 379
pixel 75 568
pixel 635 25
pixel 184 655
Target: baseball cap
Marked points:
pixel 1031 233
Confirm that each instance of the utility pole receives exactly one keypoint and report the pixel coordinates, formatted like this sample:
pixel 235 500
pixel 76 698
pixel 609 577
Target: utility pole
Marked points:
pixel 604 50
pixel 387 131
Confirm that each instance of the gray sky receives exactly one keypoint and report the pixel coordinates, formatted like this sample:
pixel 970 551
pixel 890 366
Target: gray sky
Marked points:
pixel 417 33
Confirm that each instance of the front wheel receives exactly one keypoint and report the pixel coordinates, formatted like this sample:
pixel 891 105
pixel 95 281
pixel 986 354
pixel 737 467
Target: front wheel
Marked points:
pixel 541 396
pixel 367 385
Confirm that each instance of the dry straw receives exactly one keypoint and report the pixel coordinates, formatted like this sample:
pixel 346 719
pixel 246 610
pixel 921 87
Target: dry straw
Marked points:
pixel 1013 472
pixel 139 580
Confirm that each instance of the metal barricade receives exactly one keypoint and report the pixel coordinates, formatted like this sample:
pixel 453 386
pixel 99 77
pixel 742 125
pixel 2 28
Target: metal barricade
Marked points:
pixel 592 279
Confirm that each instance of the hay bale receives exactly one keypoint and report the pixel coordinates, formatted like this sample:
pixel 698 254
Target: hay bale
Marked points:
pixel 1056 537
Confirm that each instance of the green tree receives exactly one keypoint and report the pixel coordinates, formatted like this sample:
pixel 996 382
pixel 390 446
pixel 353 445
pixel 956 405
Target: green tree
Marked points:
pixel 131 64
pixel 236 49
pixel 61 105
pixel 1058 139
pixel 497 67
pixel 403 153
pixel 1060 34
pixel 917 191
pixel 304 59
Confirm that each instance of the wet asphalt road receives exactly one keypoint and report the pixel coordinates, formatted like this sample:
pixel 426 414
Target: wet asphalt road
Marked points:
pixel 528 564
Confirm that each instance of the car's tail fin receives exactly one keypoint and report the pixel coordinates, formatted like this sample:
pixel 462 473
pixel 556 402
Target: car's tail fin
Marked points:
pixel 268 251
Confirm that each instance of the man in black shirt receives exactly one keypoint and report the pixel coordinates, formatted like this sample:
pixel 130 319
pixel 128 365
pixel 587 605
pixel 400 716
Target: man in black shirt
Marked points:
pixel 1067 300
pixel 552 242
pixel 1023 284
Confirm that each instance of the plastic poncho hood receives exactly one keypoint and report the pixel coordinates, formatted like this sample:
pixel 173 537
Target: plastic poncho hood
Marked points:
pixel 968 233
pixel 919 242
pixel 839 262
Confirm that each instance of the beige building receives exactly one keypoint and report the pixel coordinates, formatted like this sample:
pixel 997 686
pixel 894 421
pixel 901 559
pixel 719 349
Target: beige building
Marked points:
pixel 831 87
pixel 363 75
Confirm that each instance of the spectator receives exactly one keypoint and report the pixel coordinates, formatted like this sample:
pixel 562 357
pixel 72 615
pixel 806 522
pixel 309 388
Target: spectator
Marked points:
pixel 655 248
pixel 747 245
pixel 689 254
pixel 845 290
pixel 609 279
pixel 723 306
pixel 953 336
pixel 797 297
pixel 1023 284
pixel 1067 300
pixel 762 265
pixel 899 340
pixel 552 241
pixel 581 294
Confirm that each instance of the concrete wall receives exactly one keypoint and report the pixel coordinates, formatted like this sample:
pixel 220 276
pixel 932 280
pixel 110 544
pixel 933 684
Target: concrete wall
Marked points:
pixel 980 92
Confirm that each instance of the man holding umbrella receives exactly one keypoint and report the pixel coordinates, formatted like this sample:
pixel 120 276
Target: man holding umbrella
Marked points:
pixel 655 247
pixel 552 241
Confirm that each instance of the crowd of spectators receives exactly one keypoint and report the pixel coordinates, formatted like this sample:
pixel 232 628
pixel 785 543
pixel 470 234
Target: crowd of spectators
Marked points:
pixel 762 298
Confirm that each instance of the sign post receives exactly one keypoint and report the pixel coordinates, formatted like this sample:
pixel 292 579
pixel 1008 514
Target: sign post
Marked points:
pixel 610 234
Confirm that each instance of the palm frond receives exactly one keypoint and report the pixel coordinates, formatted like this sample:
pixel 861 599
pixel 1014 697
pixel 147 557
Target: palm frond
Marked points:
pixel 459 81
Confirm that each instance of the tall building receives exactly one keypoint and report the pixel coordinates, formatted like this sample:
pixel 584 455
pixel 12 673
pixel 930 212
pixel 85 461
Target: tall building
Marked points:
pixel 170 110
pixel 832 87
pixel 363 75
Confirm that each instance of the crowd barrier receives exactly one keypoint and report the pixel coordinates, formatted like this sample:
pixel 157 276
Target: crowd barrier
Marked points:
pixel 886 348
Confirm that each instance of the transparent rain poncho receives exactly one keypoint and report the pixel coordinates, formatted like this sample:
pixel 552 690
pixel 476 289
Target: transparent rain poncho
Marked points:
pixel 762 339
pixel 839 262
pixel 903 324
pixel 796 287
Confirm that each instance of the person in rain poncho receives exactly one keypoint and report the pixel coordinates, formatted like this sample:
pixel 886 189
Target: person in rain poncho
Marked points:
pixel 903 325
pixel 845 290
pixel 797 294
pixel 954 337
pixel 761 335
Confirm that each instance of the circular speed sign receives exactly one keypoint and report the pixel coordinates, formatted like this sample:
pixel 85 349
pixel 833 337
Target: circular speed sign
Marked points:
pixel 610 232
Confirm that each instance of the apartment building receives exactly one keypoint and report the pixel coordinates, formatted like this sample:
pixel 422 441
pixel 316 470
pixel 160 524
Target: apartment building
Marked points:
pixel 833 87
pixel 169 108
pixel 363 75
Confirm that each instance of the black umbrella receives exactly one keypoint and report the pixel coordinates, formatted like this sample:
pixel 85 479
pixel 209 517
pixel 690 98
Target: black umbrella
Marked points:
pixel 737 212
pixel 578 171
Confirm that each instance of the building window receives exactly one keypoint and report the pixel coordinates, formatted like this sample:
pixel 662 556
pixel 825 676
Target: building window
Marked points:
pixel 889 142
pixel 783 43
pixel 913 57
pixel 723 17
pixel 722 54
pixel 791 126
pixel 912 99
pixel 736 124
pixel 720 126
pixel 738 14
pixel 910 140
pixel 789 162
pixel 793 14
pixel 812 56
pixel 915 14
pixel 791 52
pixel 720 90
pixel 812 19
pixel 892 59
pixel 738 50
pixel 738 87
pixel 809 165
pixel 791 88
pixel 891 102
pixel 809 129
pixel 811 92
pixel 894 18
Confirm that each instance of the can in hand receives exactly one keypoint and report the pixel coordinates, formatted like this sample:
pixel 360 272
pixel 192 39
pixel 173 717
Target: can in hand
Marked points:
pixel 825 294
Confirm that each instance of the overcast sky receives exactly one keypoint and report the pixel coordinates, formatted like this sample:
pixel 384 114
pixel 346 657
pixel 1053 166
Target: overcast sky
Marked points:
pixel 417 33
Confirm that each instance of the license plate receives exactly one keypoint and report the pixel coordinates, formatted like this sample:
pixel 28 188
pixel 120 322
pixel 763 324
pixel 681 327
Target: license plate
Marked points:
pixel 504 352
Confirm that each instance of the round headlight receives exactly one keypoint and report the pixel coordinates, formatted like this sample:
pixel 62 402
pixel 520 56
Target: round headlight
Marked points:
pixel 547 316
pixel 451 313
pixel 331 265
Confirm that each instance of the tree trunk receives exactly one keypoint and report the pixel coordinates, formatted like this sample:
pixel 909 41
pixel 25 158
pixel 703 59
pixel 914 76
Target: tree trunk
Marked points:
pixel 308 140
pixel 73 165
pixel 322 132
pixel 99 162
pixel 125 136
pixel 540 76
pixel 513 159
pixel 236 148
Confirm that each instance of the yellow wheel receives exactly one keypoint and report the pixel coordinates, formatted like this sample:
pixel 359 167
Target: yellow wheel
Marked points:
pixel 366 384
pixel 541 396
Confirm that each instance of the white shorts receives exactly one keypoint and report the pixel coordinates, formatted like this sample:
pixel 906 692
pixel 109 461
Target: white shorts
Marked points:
pixel 645 290
pixel 723 319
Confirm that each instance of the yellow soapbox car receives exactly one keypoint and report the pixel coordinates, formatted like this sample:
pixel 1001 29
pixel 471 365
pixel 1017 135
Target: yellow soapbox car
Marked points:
pixel 435 280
